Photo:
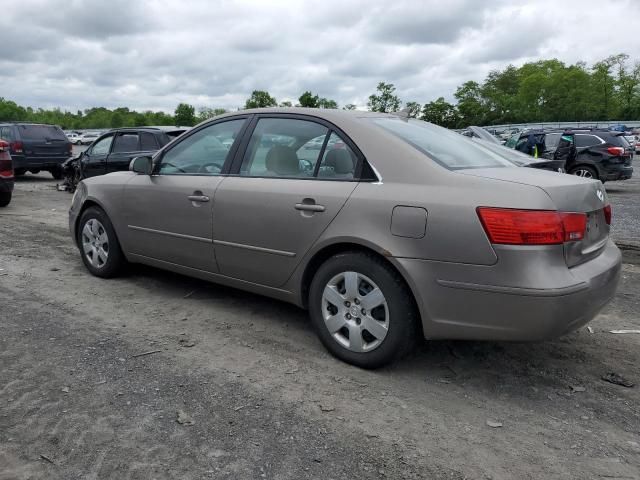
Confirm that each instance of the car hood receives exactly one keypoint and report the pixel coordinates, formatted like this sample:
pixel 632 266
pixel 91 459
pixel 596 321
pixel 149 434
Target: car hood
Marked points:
pixel 568 192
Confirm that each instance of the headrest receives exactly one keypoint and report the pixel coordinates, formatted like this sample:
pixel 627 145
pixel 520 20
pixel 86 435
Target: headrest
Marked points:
pixel 341 161
pixel 282 160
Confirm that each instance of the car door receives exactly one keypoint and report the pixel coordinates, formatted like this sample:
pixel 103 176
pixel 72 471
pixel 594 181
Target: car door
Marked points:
pixel 281 198
pixel 127 146
pixel 94 159
pixel 169 213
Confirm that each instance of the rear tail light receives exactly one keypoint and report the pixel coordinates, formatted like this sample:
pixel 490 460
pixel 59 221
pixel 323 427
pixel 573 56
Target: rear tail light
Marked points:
pixel 16 147
pixel 616 151
pixel 608 214
pixel 531 227
pixel 6 166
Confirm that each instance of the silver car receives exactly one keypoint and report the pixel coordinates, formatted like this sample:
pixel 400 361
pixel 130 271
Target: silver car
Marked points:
pixel 394 230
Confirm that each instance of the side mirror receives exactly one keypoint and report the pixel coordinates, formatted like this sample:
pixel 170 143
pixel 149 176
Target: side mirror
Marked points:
pixel 141 165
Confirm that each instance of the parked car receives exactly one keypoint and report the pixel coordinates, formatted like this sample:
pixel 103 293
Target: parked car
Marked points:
pixel 86 138
pixel 6 174
pixel 72 136
pixel 520 159
pixel 633 142
pixel 410 230
pixel 114 150
pixel 35 147
pixel 591 153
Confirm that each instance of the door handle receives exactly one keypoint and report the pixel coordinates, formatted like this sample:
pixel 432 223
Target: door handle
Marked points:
pixel 198 198
pixel 309 207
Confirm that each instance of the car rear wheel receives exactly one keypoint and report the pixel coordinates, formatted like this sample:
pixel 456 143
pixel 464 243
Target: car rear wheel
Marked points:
pixel 585 172
pixel 57 174
pixel 18 172
pixel 5 199
pixel 362 310
pixel 99 246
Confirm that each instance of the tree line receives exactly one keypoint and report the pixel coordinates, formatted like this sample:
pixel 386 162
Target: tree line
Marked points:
pixel 542 91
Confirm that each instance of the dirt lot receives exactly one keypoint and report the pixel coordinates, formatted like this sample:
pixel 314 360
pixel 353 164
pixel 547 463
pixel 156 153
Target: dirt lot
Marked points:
pixel 260 398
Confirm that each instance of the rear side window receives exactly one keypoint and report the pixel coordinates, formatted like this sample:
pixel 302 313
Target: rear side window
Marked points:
pixel 126 142
pixel 551 141
pixel 618 141
pixel 583 140
pixel 41 132
pixel 445 147
pixel 147 142
pixel 6 134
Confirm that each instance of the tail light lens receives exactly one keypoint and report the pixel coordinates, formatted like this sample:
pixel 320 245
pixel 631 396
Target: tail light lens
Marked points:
pixel 616 151
pixel 6 166
pixel 608 214
pixel 531 227
pixel 16 147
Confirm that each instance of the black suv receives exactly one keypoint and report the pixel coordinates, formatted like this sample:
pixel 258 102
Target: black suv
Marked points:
pixel 589 153
pixel 6 174
pixel 35 147
pixel 114 150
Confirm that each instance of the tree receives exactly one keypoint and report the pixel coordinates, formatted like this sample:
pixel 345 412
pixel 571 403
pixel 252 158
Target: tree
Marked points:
pixel 349 106
pixel 260 99
pixel 326 103
pixel 470 106
pixel 414 109
pixel 185 114
pixel 385 100
pixel 309 100
pixel 204 113
pixel 441 113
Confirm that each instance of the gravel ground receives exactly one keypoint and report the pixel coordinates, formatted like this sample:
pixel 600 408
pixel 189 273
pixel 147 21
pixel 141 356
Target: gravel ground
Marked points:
pixel 258 396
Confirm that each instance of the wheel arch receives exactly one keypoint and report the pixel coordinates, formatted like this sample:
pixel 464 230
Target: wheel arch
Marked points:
pixel 328 251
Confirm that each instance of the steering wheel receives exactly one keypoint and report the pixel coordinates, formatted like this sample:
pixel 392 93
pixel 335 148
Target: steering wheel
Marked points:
pixel 307 165
pixel 203 168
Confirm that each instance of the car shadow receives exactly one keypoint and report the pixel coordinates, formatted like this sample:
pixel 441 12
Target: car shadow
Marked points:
pixel 39 178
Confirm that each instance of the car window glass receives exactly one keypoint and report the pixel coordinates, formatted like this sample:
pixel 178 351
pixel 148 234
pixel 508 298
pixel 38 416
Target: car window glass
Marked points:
pixel 41 132
pixel 6 134
pixel 147 142
pixel 204 152
pixel 338 160
pixel 102 146
pixel 587 140
pixel 279 148
pixel 126 142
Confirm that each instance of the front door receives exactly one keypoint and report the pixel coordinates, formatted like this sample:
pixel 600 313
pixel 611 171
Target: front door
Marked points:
pixel 285 195
pixel 169 213
pixel 94 160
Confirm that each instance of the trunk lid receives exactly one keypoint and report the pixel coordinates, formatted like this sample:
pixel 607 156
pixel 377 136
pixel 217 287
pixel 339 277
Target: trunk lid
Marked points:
pixel 569 194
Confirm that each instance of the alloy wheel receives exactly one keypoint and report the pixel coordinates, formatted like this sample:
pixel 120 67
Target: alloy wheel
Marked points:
pixel 355 312
pixel 583 172
pixel 95 243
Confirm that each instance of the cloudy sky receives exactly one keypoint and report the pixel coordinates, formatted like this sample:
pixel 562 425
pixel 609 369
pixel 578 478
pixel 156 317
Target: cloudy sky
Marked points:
pixel 153 54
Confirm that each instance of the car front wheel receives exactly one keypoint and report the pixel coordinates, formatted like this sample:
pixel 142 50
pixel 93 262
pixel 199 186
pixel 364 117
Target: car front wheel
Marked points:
pixel 362 310
pixel 99 246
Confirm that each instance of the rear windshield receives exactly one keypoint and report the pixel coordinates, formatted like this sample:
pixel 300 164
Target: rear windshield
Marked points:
pixel 41 132
pixel 450 149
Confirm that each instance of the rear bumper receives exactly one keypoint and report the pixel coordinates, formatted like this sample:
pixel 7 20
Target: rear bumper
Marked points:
pixel 6 184
pixel 621 173
pixel 42 163
pixel 548 301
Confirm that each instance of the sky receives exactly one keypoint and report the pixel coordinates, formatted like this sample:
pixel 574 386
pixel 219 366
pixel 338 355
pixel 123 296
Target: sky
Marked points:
pixel 154 54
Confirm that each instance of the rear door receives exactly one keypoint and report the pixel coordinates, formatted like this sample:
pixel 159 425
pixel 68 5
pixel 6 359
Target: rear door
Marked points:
pixel 44 142
pixel 281 198
pixel 94 159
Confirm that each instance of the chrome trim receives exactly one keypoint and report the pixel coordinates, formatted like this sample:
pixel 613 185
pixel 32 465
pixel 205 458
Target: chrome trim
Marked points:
pixel 255 249
pixel 171 234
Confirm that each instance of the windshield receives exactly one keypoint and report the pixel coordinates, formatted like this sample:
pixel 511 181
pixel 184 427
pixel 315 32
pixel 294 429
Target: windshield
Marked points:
pixel 449 149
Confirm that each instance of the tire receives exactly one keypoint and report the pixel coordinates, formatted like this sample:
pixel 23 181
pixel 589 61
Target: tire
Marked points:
pixel 57 174
pixel 5 199
pixel 396 310
pixel 95 231
pixel 18 172
pixel 585 172
pixel 35 172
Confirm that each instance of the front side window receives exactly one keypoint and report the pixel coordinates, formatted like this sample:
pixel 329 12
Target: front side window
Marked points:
pixel 203 153
pixel 102 146
pixel 283 147
pixel 447 148
pixel 126 142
